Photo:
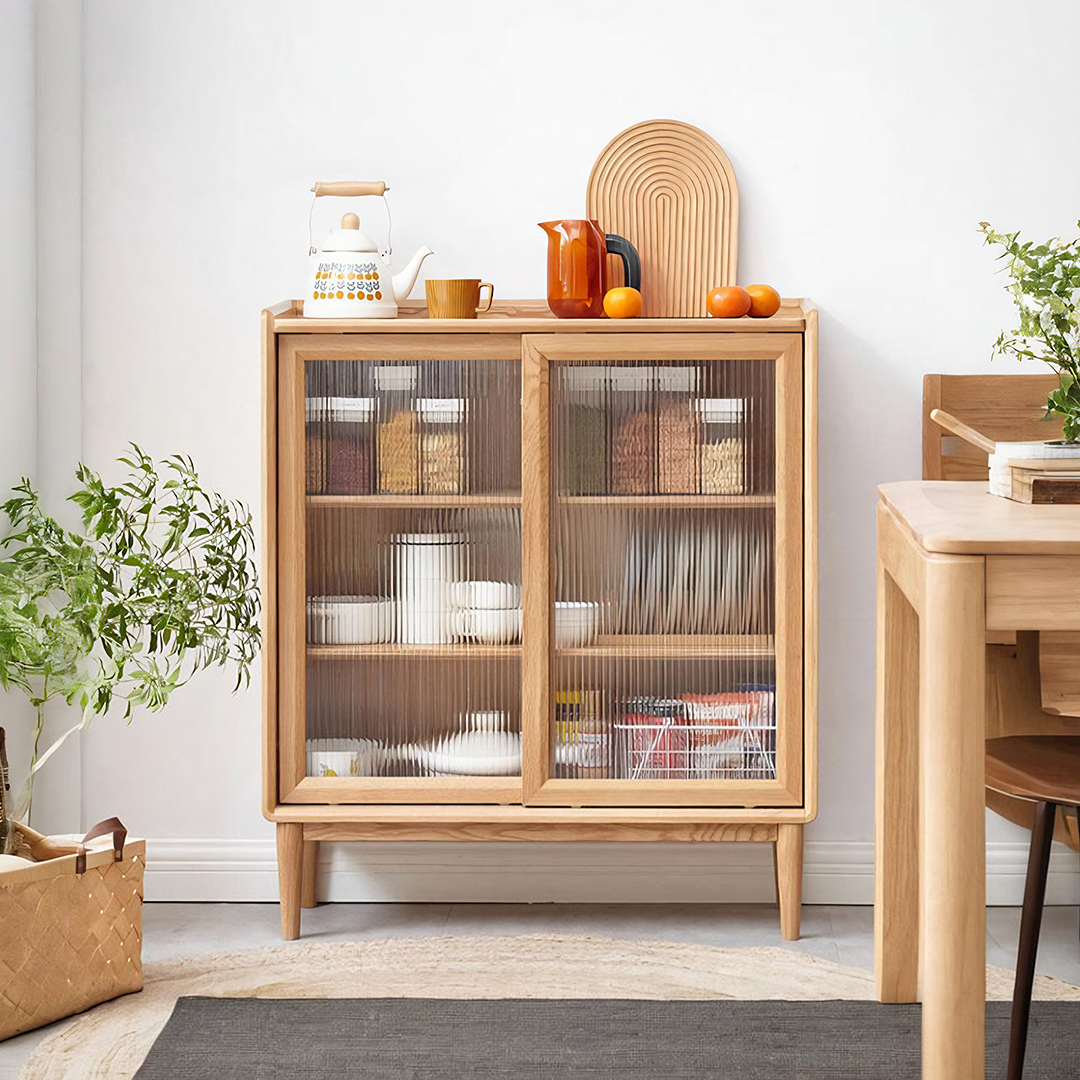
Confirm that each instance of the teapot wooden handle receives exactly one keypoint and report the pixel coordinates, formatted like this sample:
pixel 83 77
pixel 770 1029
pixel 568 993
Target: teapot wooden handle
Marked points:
pixel 349 187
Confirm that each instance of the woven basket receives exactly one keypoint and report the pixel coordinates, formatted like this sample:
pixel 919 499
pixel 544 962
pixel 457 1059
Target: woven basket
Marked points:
pixel 69 941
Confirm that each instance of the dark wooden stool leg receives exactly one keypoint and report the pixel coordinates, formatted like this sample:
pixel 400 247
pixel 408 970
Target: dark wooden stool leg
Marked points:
pixel 1030 922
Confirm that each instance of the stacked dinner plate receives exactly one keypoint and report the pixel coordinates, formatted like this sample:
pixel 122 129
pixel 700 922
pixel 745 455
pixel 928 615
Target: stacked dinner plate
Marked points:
pixel 576 623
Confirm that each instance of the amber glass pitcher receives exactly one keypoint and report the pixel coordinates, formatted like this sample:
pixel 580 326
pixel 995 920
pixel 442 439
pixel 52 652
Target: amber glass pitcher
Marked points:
pixel 577 267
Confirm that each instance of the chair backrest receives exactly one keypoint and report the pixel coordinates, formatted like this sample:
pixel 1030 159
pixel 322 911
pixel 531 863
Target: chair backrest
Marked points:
pixel 1008 407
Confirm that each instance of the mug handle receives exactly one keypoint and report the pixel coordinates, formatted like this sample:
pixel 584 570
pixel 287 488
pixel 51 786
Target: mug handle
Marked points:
pixel 626 251
pixel 491 296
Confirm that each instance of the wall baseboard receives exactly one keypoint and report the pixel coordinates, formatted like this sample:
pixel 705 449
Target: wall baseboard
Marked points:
pixel 834 873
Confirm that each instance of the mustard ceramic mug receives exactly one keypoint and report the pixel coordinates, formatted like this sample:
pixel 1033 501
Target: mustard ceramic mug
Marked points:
pixel 456 298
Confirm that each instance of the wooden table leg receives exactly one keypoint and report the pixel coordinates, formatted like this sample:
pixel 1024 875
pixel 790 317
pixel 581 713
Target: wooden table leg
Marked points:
pixel 896 897
pixel 952 735
pixel 789 873
pixel 311 874
pixel 290 853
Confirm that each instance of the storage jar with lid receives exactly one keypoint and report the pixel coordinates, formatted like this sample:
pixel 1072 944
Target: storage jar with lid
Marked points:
pixel 340 445
pixel 443 446
pixel 723 445
pixel 633 444
pixel 398 430
pixel 677 456
pixel 426 566
pixel 582 451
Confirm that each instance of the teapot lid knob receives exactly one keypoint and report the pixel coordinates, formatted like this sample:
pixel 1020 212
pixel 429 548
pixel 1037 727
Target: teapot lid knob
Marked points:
pixel 350 221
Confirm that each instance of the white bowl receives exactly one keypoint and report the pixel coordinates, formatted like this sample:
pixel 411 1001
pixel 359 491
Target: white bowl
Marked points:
pixel 349 620
pixel 488 595
pixel 500 627
pixel 576 623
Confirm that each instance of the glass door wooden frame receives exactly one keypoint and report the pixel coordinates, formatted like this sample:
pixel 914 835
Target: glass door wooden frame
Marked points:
pixel 539 353
pixel 294 351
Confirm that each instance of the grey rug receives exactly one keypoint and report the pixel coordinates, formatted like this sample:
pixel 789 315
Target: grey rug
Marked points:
pixel 426 1039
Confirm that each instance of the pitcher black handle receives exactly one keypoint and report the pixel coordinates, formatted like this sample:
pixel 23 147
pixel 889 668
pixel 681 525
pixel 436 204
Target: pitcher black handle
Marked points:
pixel 626 251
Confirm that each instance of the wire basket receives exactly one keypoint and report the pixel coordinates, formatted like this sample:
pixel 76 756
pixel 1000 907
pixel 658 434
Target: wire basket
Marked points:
pixel 727 737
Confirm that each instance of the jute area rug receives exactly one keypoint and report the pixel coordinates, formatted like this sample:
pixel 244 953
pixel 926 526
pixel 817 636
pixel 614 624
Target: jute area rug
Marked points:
pixel 112 1040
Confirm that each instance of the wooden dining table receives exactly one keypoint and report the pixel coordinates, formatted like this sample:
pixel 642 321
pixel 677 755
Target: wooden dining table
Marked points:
pixel 954 564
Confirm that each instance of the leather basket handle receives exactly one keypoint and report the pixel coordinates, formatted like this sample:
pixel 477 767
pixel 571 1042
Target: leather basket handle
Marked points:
pixel 349 187
pixel 102 828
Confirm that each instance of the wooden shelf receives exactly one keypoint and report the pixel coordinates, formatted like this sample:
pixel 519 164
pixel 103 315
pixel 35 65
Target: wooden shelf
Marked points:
pixel 408 502
pixel 710 502
pixel 704 646
pixel 417 652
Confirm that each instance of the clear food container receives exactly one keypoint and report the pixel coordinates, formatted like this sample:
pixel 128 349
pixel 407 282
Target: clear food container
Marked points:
pixel 633 441
pixel 582 452
pixel 677 455
pixel 398 430
pixel 723 445
pixel 340 445
pixel 443 448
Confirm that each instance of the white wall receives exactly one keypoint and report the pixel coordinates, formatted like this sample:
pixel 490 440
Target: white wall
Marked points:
pixel 868 141
pixel 18 392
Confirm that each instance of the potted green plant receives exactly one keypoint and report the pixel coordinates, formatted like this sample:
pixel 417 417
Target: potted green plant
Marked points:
pixel 1044 282
pixel 159 583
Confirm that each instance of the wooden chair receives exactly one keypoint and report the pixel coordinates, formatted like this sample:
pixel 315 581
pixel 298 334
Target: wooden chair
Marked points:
pixel 1033 679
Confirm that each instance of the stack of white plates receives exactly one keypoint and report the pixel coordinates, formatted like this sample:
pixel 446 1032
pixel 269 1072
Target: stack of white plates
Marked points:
pixel 483 748
pixel 576 623
pixel 349 620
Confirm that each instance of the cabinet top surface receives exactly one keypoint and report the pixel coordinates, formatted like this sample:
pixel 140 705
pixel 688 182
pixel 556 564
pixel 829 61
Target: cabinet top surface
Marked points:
pixel 961 517
pixel 527 317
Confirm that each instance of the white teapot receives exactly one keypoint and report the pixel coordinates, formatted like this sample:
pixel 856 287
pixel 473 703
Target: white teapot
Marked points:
pixel 349 277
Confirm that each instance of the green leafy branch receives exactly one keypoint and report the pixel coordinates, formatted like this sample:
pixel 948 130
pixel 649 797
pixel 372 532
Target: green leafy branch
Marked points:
pixel 1045 287
pixel 159 583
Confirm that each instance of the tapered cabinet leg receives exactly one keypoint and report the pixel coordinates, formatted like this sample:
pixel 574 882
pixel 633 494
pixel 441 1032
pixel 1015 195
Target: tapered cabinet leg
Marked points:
pixel 896 897
pixel 310 884
pixel 789 867
pixel 952 878
pixel 290 851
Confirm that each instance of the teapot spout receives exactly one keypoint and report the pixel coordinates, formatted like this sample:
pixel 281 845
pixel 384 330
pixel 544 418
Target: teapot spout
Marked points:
pixel 406 279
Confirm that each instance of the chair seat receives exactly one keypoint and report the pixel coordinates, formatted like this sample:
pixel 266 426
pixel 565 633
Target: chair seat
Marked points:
pixel 1045 768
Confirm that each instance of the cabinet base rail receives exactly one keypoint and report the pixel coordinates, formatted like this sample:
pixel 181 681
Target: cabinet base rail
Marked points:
pixel 298 844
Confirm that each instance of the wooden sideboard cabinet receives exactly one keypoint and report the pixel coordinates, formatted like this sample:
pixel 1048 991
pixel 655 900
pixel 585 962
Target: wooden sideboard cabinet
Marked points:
pixel 637 501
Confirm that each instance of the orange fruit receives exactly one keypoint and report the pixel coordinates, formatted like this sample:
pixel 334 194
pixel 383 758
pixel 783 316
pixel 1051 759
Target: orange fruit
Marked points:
pixel 622 303
pixel 764 301
pixel 728 302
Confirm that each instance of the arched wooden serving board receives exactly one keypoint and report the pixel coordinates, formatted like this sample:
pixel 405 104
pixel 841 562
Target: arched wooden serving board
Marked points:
pixel 669 189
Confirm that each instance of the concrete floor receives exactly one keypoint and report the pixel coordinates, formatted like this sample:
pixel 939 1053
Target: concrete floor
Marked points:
pixel 841 934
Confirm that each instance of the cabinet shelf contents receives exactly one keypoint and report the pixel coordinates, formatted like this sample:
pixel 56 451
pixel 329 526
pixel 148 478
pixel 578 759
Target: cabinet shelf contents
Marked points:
pixel 662 566
pixel 414 614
